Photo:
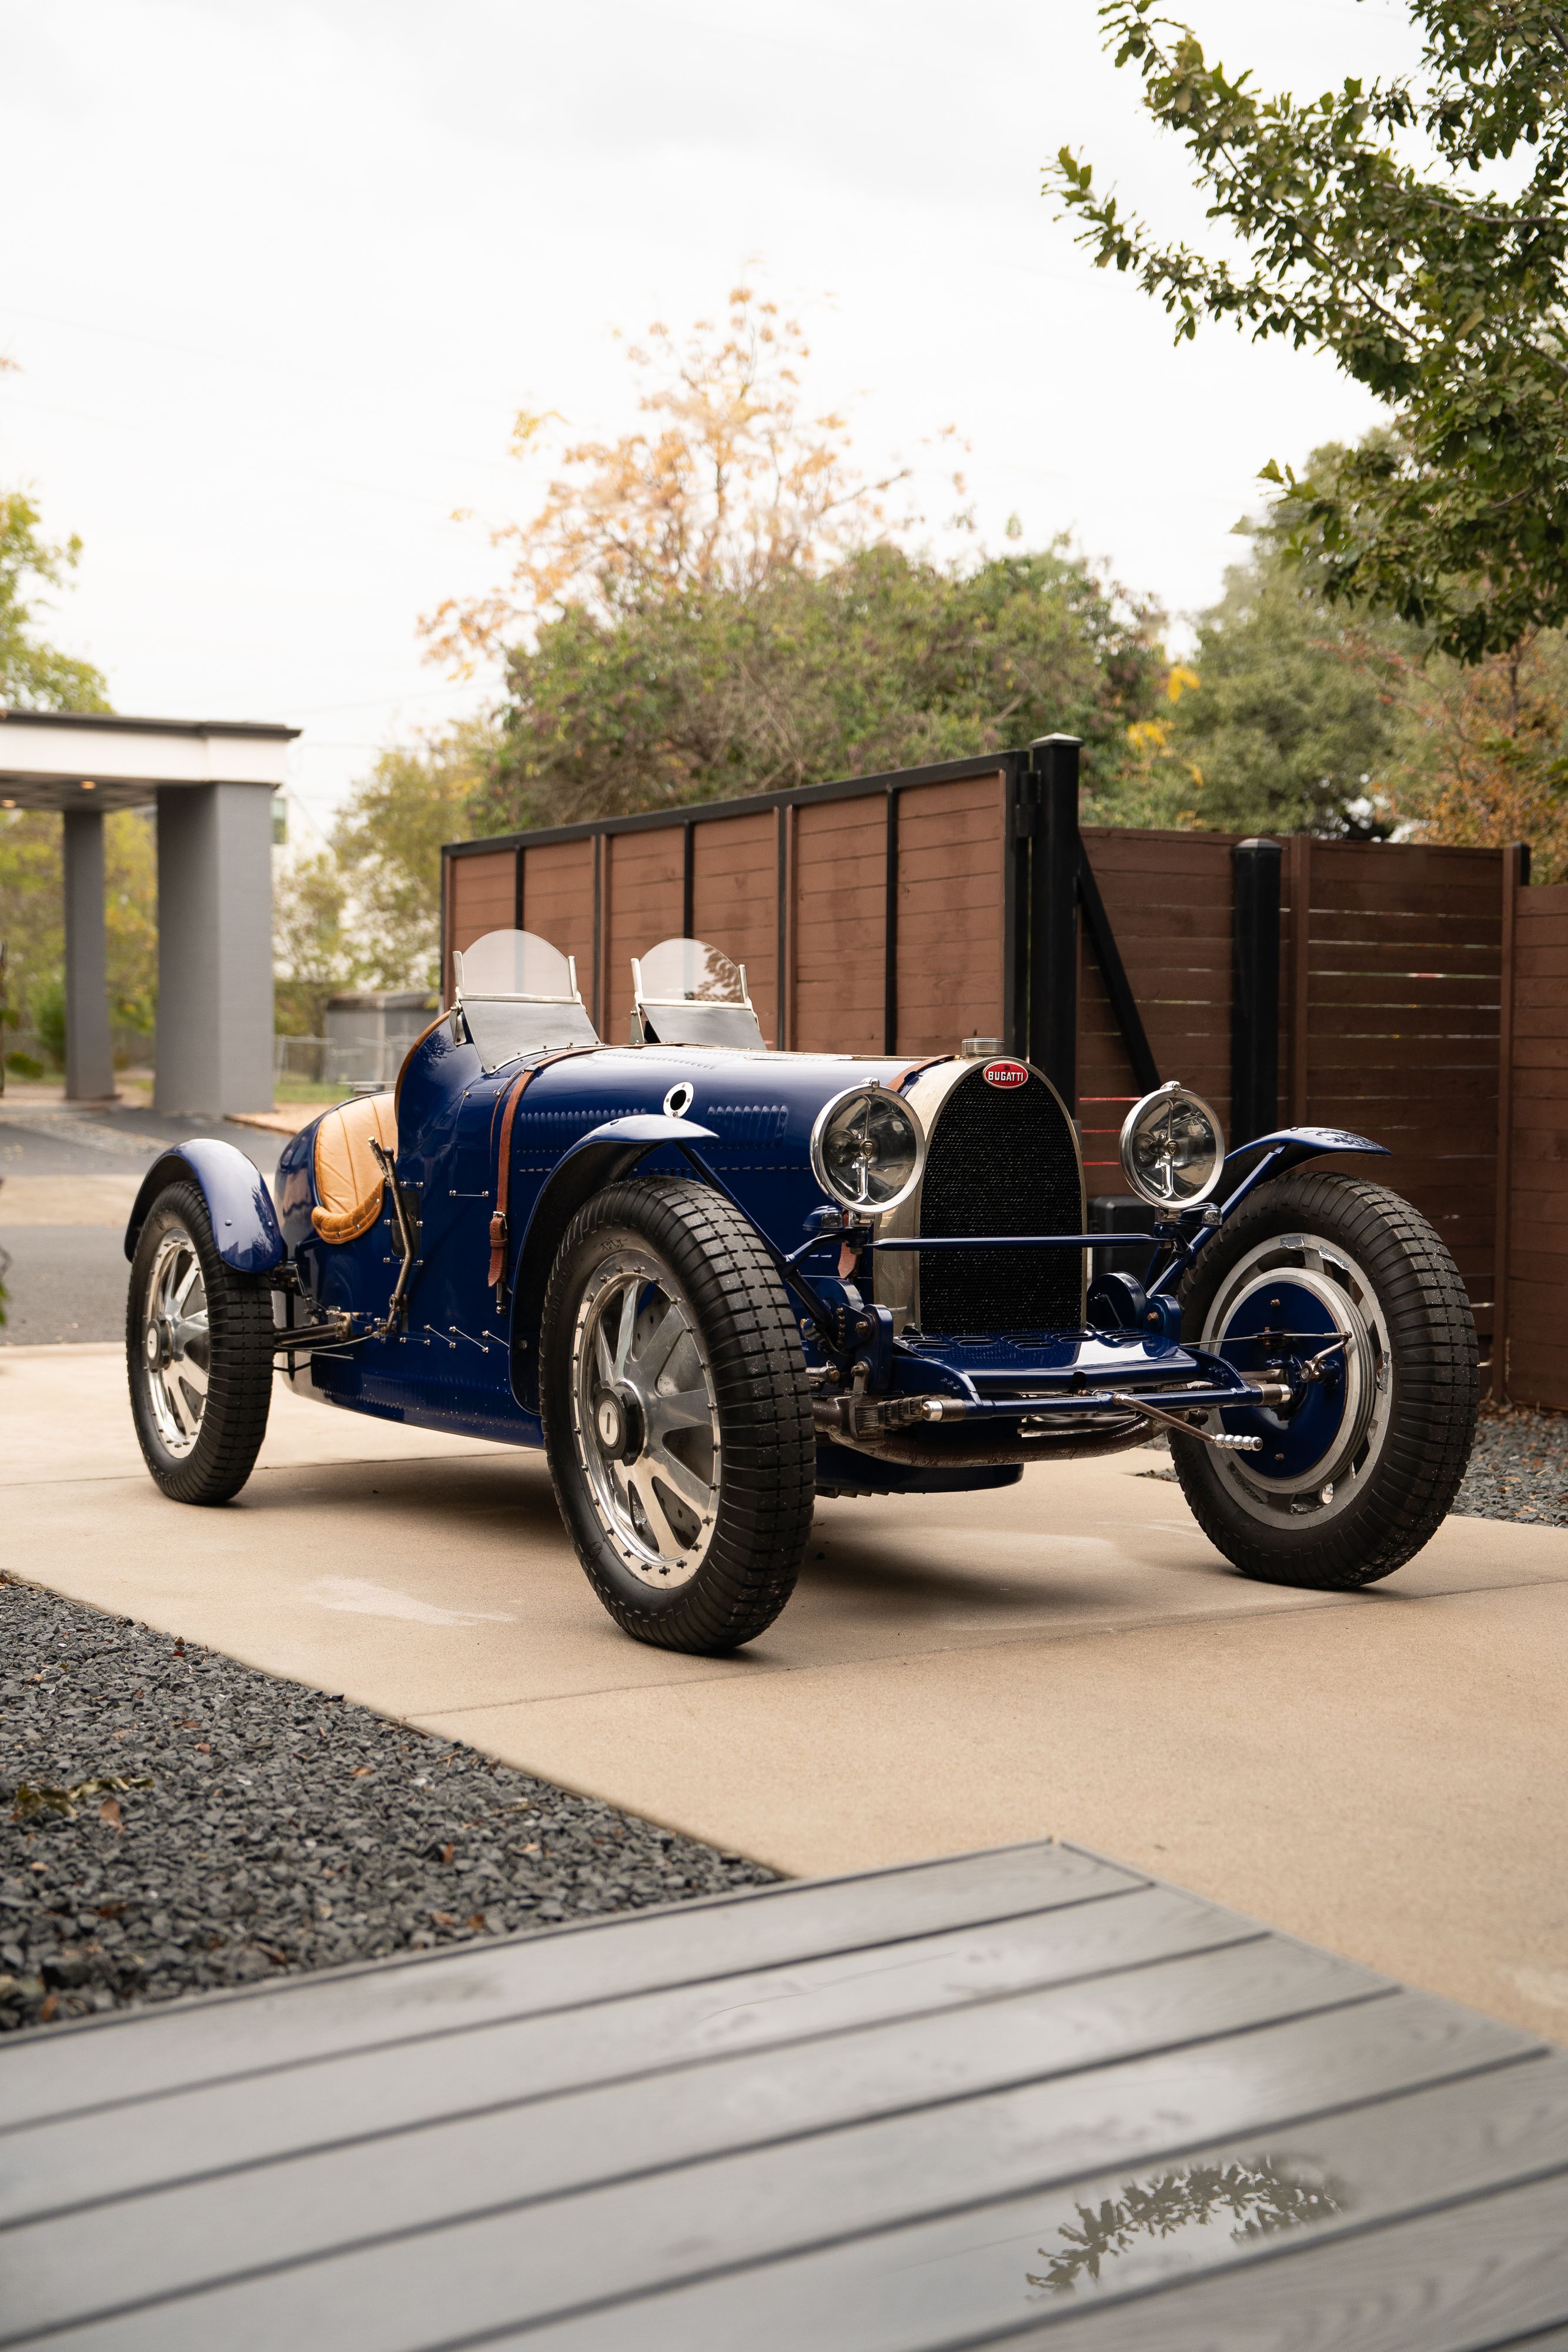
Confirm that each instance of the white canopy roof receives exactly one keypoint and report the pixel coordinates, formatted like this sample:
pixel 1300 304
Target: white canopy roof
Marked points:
pixel 69 759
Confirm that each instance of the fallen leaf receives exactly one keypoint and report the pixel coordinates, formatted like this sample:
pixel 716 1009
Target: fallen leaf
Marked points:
pixel 203 1747
pixel 109 1812
pixel 442 1920
pixel 446 1853
pixel 49 2008
pixel 476 1918
pixel 361 1771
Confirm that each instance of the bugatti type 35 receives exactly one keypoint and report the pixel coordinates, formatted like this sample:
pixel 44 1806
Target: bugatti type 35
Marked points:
pixel 714 1281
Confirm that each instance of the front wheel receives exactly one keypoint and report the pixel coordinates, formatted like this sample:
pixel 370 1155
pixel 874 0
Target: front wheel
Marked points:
pixel 198 1343
pixel 1342 1290
pixel 677 1419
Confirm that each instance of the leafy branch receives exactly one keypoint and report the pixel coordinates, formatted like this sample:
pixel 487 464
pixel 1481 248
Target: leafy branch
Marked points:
pixel 1451 307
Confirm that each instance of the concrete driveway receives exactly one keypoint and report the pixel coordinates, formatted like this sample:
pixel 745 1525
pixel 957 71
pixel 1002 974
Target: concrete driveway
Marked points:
pixel 1381 1772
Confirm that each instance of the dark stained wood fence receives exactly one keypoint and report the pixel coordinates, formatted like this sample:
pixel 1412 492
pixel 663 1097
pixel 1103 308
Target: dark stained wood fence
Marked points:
pixel 1394 1003
pixel 895 914
pixel 870 916
pixel 1532 1363
pixel 1390 1007
pixel 1168 895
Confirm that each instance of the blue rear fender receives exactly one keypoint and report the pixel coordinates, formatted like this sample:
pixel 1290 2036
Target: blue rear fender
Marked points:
pixel 244 1221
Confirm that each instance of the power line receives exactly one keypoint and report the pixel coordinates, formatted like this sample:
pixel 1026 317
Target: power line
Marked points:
pixel 252 361
pixel 249 464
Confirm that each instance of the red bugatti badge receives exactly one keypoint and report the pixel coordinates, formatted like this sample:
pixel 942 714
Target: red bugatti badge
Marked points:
pixel 1005 1074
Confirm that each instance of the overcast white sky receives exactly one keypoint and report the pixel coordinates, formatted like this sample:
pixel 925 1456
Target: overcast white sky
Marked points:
pixel 278 277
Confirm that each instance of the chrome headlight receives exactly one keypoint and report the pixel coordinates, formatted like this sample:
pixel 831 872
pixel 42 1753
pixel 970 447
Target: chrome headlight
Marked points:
pixel 1173 1148
pixel 868 1150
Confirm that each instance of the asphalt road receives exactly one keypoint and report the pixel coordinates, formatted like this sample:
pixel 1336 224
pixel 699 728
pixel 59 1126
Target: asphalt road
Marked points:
pixel 65 1282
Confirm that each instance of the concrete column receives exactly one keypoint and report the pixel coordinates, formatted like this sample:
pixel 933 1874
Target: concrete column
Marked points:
pixel 89 1060
pixel 214 949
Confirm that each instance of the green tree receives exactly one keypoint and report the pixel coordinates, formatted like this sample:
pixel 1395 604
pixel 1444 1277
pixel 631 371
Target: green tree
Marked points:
pixel 881 661
pixel 313 942
pixel 35 677
pixel 1295 720
pixel 720 601
pixel 33 674
pixel 388 841
pixel 1480 754
pixel 130 918
pixel 32 919
pixel 1361 231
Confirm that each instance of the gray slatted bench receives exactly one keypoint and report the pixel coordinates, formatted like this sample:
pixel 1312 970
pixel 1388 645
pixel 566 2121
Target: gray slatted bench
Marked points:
pixel 1018 2096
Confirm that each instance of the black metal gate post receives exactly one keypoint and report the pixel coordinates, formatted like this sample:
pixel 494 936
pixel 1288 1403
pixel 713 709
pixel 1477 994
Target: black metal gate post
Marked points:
pixel 1019 792
pixel 1053 915
pixel 1254 991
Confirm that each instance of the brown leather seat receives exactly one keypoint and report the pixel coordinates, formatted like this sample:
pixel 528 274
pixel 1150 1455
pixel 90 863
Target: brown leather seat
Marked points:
pixel 349 1181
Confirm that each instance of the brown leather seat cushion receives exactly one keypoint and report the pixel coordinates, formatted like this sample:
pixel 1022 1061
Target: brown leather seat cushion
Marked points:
pixel 348 1182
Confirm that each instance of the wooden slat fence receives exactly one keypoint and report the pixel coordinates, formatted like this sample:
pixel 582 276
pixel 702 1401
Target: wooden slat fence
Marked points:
pixel 1168 895
pixel 1417 986
pixel 1393 1000
pixel 1533 1360
pixel 1389 1007
pixel 869 918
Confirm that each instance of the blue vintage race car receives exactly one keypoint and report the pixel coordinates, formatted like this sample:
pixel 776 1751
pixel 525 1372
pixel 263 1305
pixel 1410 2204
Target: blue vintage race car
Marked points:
pixel 714 1281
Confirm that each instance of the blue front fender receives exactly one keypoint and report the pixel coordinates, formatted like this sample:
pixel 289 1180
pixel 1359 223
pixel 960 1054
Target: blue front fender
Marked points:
pixel 1287 1147
pixel 244 1221
pixel 602 1157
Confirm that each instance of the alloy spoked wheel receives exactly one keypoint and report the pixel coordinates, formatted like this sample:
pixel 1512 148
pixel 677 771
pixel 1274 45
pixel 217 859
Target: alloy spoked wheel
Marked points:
pixel 1299 1309
pixel 676 1414
pixel 198 1346
pixel 644 1420
pixel 176 1341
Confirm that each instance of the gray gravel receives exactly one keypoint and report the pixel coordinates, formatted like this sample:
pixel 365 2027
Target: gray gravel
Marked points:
pixel 1518 1468
pixel 174 1821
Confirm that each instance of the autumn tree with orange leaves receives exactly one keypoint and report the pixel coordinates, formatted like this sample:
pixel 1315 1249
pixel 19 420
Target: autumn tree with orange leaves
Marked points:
pixel 721 601
pixel 731 481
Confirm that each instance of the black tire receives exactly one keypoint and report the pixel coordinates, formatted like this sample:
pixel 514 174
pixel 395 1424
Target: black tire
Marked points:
pixel 746 1444
pixel 167 1358
pixel 1386 1478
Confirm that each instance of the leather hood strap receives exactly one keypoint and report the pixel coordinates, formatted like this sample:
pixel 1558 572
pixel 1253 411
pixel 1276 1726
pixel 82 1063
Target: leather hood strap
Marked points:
pixel 508 1106
pixel 912 1069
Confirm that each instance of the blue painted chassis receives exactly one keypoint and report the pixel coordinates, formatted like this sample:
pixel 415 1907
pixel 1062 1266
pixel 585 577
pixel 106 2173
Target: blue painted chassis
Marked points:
pixel 464 1357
